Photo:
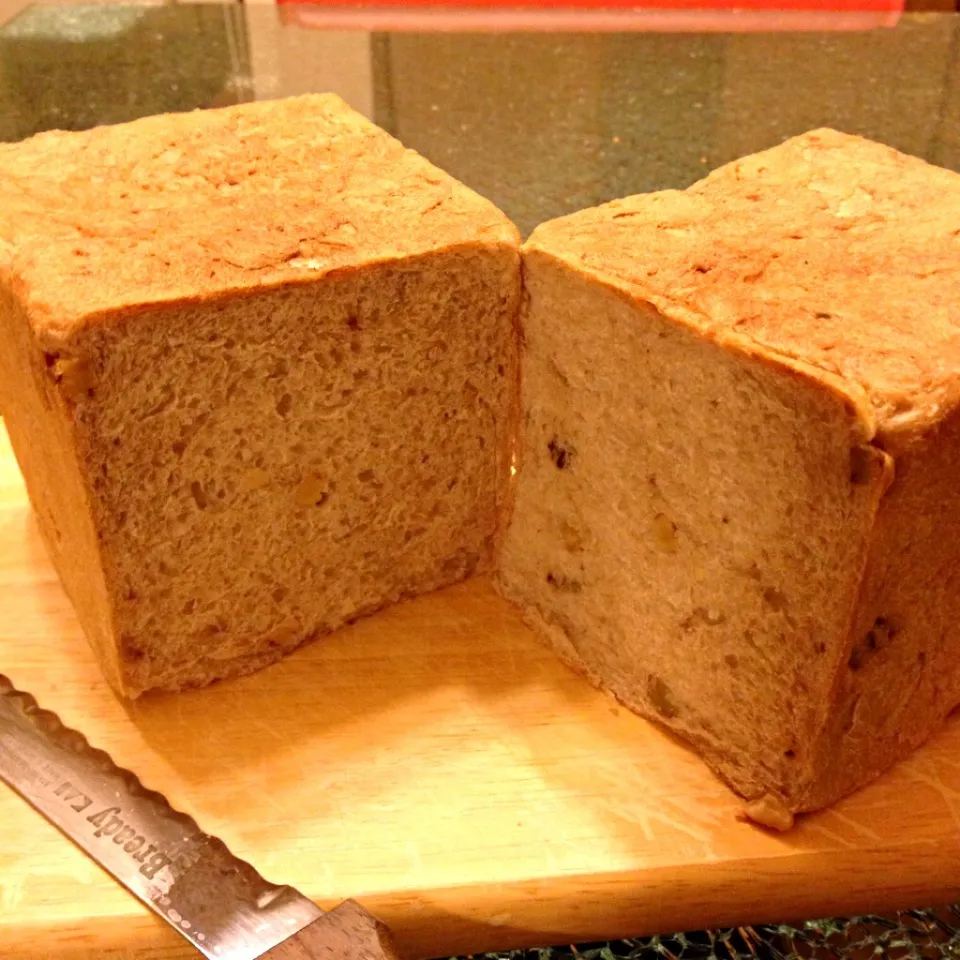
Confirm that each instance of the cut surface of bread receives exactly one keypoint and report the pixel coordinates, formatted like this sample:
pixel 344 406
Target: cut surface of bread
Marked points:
pixel 736 503
pixel 260 374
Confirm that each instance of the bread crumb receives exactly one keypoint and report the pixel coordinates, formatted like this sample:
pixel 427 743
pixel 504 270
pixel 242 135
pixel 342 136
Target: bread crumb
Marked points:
pixel 768 811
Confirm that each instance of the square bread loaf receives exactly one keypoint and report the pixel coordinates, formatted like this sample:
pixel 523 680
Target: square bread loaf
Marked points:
pixel 738 502
pixel 259 369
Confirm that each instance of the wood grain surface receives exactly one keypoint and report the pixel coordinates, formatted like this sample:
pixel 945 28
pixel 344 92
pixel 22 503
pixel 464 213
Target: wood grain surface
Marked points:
pixel 436 763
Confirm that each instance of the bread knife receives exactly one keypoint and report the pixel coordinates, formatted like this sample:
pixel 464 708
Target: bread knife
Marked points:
pixel 217 901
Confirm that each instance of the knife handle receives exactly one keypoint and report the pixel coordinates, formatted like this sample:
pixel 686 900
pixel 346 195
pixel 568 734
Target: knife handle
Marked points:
pixel 347 932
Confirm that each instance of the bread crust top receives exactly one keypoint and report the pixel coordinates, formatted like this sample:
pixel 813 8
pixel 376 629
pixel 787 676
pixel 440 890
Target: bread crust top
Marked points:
pixel 831 251
pixel 185 207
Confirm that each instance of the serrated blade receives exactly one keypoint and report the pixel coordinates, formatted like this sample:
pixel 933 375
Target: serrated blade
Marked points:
pixel 217 901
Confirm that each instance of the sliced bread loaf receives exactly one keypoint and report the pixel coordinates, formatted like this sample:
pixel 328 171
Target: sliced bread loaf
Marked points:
pixel 259 370
pixel 737 504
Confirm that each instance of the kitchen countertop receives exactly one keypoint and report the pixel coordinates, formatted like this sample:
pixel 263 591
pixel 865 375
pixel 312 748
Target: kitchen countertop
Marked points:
pixel 543 124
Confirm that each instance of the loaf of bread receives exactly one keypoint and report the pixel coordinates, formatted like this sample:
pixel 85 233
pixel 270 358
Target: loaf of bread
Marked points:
pixel 259 369
pixel 737 505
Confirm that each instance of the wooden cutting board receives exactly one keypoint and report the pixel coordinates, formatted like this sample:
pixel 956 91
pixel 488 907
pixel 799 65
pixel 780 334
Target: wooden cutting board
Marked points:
pixel 437 763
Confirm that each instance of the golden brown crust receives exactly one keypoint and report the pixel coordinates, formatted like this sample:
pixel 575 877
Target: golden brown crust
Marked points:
pixel 188 206
pixel 753 249
pixel 900 673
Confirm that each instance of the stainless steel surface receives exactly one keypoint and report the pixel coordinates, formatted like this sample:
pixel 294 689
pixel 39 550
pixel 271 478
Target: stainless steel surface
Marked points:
pixel 217 901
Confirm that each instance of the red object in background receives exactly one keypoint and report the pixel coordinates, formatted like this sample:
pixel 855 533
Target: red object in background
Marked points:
pixel 744 6
pixel 656 16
